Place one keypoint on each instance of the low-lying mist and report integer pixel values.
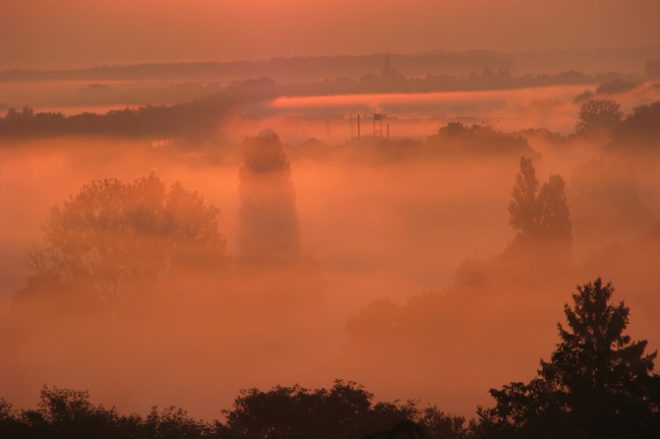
(391, 262)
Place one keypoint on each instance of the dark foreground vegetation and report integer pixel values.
(598, 383)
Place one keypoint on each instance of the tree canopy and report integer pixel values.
(598, 382)
(597, 115)
(113, 235)
(457, 139)
(346, 410)
(640, 131)
(269, 234)
(539, 215)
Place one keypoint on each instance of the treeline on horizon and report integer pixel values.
(306, 68)
(413, 73)
(346, 410)
(396, 80)
(598, 383)
(197, 122)
(194, 120)
(280, 68)
(500, 78)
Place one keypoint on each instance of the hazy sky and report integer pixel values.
(39, 33)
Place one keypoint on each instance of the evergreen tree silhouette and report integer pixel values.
(598, 382)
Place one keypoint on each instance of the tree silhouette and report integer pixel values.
(523, 209)
(297, 413)
(346, 410)
(640, 131)
(539, 216)
(192, 120)
(597, 384)
(67, 414)
(269, 222)
(456, 139)
(598, 115)
(113, 236)
(554, 216)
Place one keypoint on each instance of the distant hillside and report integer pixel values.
(293, 69)
(301, 69)
(621, 60)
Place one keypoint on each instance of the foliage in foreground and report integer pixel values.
(598, 384)
(346, 410)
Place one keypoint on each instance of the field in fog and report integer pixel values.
(329, 219)
(406, 278)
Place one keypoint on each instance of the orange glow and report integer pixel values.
(204, 196)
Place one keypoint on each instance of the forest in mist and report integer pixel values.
(375, 256)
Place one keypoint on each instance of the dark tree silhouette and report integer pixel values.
(344, 411)
(523, 209)
(67, 414)
(456, 139)
(597, 384)
(112, 236)
(192, 120)
(403, 430)
(554, 216)
(640, 131)
(598, 115)
(176, 423)
(540, 217)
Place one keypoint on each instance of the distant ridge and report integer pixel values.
(297, 68)
(305, 68)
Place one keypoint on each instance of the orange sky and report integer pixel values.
(60, 33)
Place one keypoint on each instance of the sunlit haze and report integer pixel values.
(47, 33)
(329, 219)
